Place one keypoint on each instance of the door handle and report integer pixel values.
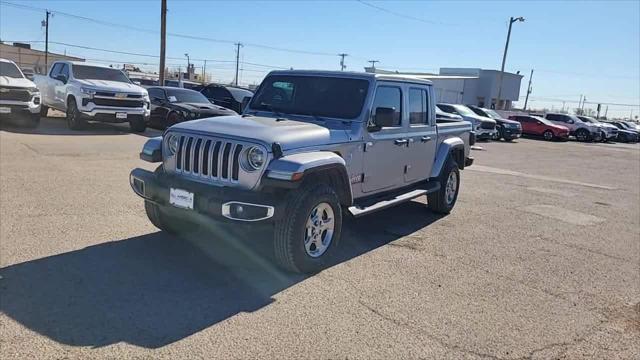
(425, 138)
(401, 141)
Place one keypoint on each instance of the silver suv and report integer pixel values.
(578, 128)
(311, 147)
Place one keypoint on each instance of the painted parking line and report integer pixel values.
(492, 170)
(562, 214)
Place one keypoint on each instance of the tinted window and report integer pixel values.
(447, 108)
(417, 106)
(389, 97)
(55, 70)
(216, 92)
(239, 94)
(554, 117)
(98, 73)
(9, 70)
(312, 95)
(156, 93)
(185, 95)
(65, 70)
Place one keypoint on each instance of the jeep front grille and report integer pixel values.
(208, 159)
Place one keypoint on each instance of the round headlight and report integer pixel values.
(174, 143)
(255, 158)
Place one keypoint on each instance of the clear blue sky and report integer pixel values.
(590, 48)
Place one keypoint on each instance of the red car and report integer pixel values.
(537, 126)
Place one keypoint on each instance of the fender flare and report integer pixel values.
(447, 147)
(291, 170)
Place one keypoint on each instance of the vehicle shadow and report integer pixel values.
(58, 126)
(155, 289)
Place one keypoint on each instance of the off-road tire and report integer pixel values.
(74, 117)
(436, 201)
(138, 125)
(288, 239)
(44, 111)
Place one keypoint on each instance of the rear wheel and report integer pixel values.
(548, 135)
(582, 135)
(306, 240)
(173, 118)
(443, 200)
(74, 117)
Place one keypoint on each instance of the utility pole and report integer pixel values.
(504, 59)
(188, 67)
(163, 40)
(584, 99)
(204, 72)
(606, 110)
(238, 45)
(373, 64)
(580, 103)
(342, 65)
(529, 92)
(46, 41)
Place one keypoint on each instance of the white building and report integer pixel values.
(470, 86)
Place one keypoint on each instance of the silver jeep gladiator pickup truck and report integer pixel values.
(311, 147)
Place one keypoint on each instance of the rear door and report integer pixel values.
(421, 134)
(385, 150)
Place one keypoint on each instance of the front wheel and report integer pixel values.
(306, 240)
(74, 117)
(138, 124)
(44, 110)
(443, 200)
(548, 135)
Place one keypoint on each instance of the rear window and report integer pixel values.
(341, 98)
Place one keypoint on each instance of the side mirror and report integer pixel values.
(570, 121)
(539, 122)
(62, 77)
(384, 117)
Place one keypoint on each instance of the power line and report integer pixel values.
(184, 36)
(410, 17)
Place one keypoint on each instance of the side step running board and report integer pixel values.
(358, 211)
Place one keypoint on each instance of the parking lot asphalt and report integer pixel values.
(540, 259)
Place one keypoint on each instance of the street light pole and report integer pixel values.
(504, 57)
(526, 100)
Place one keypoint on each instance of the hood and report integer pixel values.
(478, 119)
(506, 121)
(112, 86)
(207, 108)
(609, 126)
(16, 82)
(290, 134)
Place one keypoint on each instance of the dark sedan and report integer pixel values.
(625, 132)
(171, 105)
(231, 97)
(507, 129)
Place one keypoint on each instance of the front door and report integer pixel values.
(386, 149)
(422, 135)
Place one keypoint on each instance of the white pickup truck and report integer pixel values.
(87, 92)
(19, 97)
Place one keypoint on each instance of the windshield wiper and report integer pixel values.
(272, 108)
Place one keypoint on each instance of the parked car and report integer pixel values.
(19, 96)
(506, 129)
(578, 128)
(632, 125)
(93, 93)
(185, 84)
(28, 73)
(484, 127)
(231, 97)
(608, 131)
(538, 126)
(346, 142)
(170, 106)
(625, 132)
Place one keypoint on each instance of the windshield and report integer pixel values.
(186, 96)
(463, 110)
(310, 95)
(84, 72)
(492, 114)
(9, 70)
(630, 125)
(239, 94)
(587, 119)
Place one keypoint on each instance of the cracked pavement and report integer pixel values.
(540, 259)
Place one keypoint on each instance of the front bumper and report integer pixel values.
(94, 112)
(20, 107)
(511, 133)
(485, 134)
(210, 202)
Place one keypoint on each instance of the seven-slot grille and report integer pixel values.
(208, 158)
(15, 94)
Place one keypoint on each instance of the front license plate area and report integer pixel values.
(121, 115)
(181, 198)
